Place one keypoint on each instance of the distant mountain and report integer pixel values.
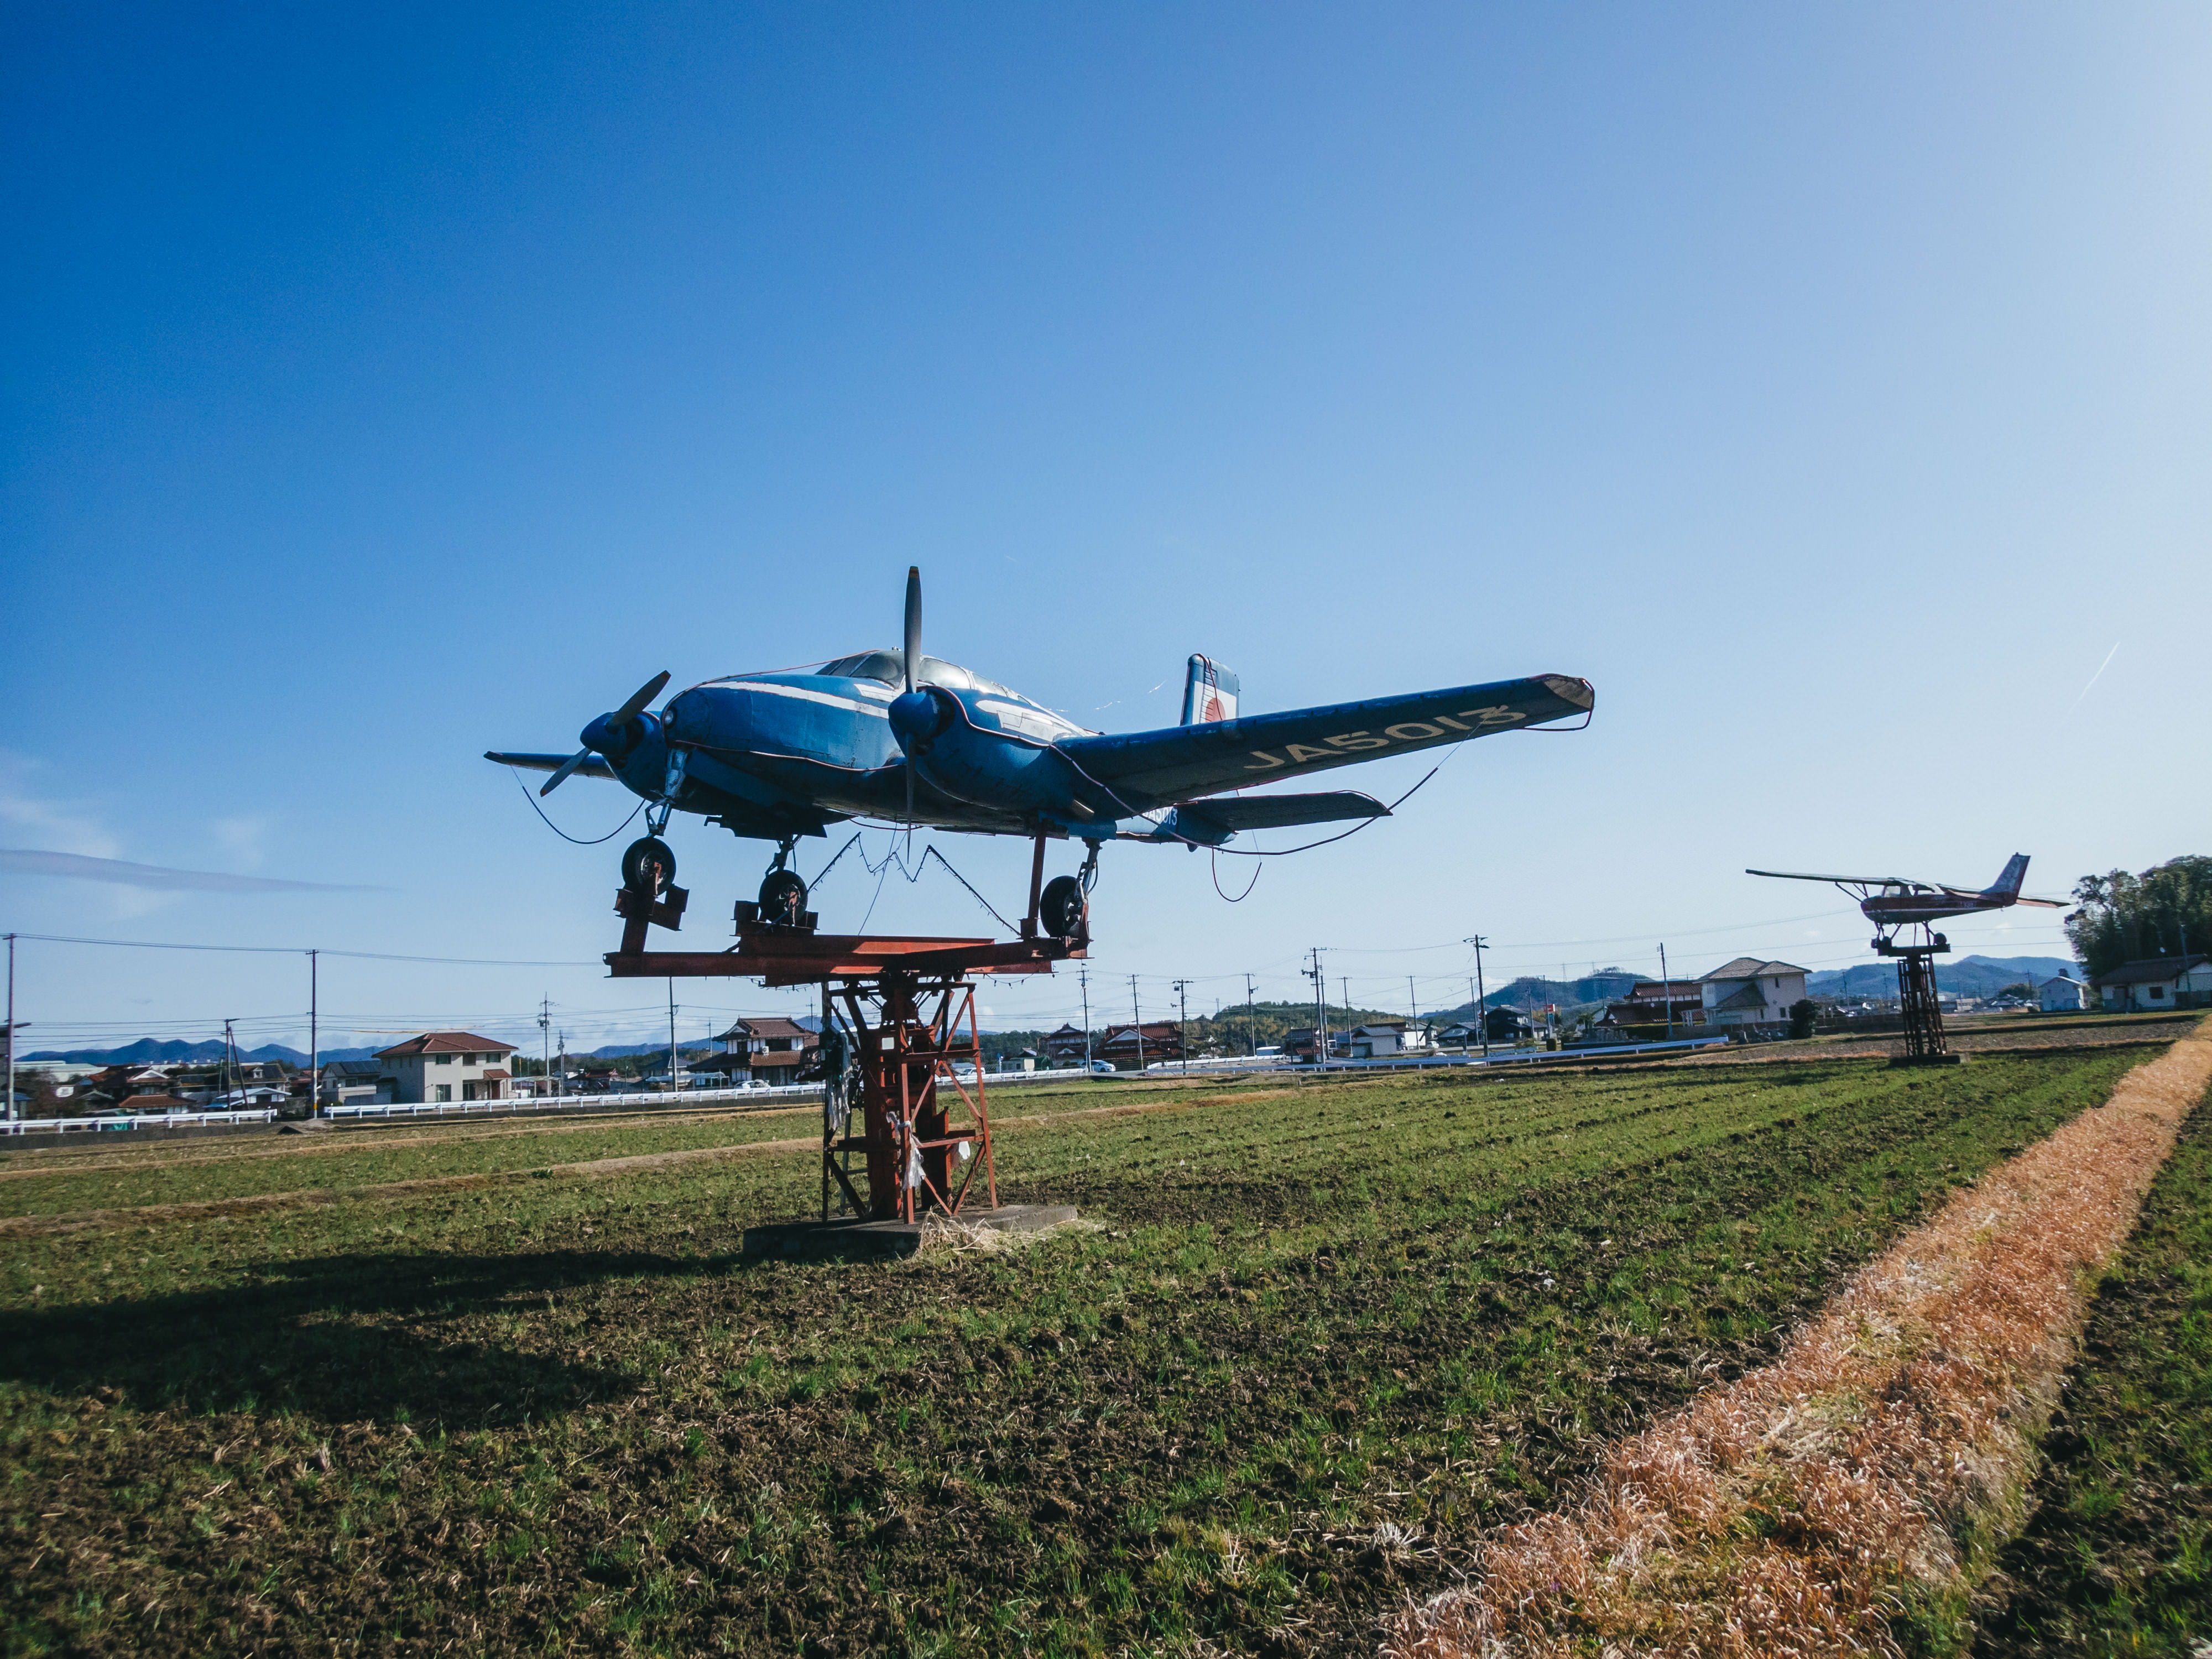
(1969, 977)
(147, 1051)
(1534, 991)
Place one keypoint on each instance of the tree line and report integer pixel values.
(2167, 910)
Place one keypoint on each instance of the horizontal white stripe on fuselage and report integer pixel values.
(1032, 722)
(804, 695)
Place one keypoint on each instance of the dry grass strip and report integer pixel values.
(945, 1235)
(1867, 1470)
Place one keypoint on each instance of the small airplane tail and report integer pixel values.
(2016, 872)
(1209, 694)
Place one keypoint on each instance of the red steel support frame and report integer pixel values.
(918, 1156)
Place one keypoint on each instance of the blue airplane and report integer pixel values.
(903, 739)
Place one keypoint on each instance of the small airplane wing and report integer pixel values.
(1146, 769)
(1856, 881)
(593, 767)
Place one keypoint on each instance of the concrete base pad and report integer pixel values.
(847, 1238)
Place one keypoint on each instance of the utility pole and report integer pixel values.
(1182, 1022)
(1082, 979)
(11, 1028)
(1412, 999)
(545, 1045)
(314, 1037)
(672, 1033)
(1138, 1028)
(229, 1059)
(1481, 1013)
(1344, 984)
(1667, 992)
(1321, 998)
(1251, 1020)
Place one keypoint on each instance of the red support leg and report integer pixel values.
(1037, 889)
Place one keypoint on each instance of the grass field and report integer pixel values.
(1324, 1334)
(2117, 1558)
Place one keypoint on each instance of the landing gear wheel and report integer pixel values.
(648, 866)
(783, 899)
(1060, 908)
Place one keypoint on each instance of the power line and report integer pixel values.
(301, 950)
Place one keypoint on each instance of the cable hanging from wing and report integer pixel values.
(557, 830)
(1215, 862)
(1240, 853)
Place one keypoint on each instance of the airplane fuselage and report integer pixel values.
(1917, 910)
(794, 752)
(786, 753)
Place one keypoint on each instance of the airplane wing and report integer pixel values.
(1282, 811)
(1142, 770)
(1856, 881)
(593, 767)
(2042, 904)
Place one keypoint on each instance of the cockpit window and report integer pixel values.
(889, 668)
(866, 666)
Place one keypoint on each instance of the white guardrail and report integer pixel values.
(1516, 1056)
(135, 1121)
(641, 1100)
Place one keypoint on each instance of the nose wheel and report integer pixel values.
(648, 866)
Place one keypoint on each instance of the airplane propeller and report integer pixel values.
(913, 622)
(912, 710)
(599, 734)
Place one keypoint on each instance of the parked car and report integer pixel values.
(1101, 1068)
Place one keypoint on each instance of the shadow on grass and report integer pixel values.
(352, 1337)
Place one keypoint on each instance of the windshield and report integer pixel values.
(889, 668)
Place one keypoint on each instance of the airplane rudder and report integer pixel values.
(2015, 873)
(1209, 692)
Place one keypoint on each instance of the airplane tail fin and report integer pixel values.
(1209, 694)
(2016, 872)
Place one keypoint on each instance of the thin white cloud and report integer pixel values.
(241, 839)
(2094, 678)
(78, 866)
(34, 817)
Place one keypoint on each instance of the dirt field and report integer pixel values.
(1323, 1334)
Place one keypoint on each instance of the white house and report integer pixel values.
(1748, 992)
(2062, 995)
(773, 1050)
(444, 1066)
(351, 1082)
(2161, 982)
(1386, 1038)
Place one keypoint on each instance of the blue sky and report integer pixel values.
(1831, 386)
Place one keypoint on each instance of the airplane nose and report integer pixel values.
(614, 737)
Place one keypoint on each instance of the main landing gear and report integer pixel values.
(1059, 908)
(782, 895)
(1064, 905)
